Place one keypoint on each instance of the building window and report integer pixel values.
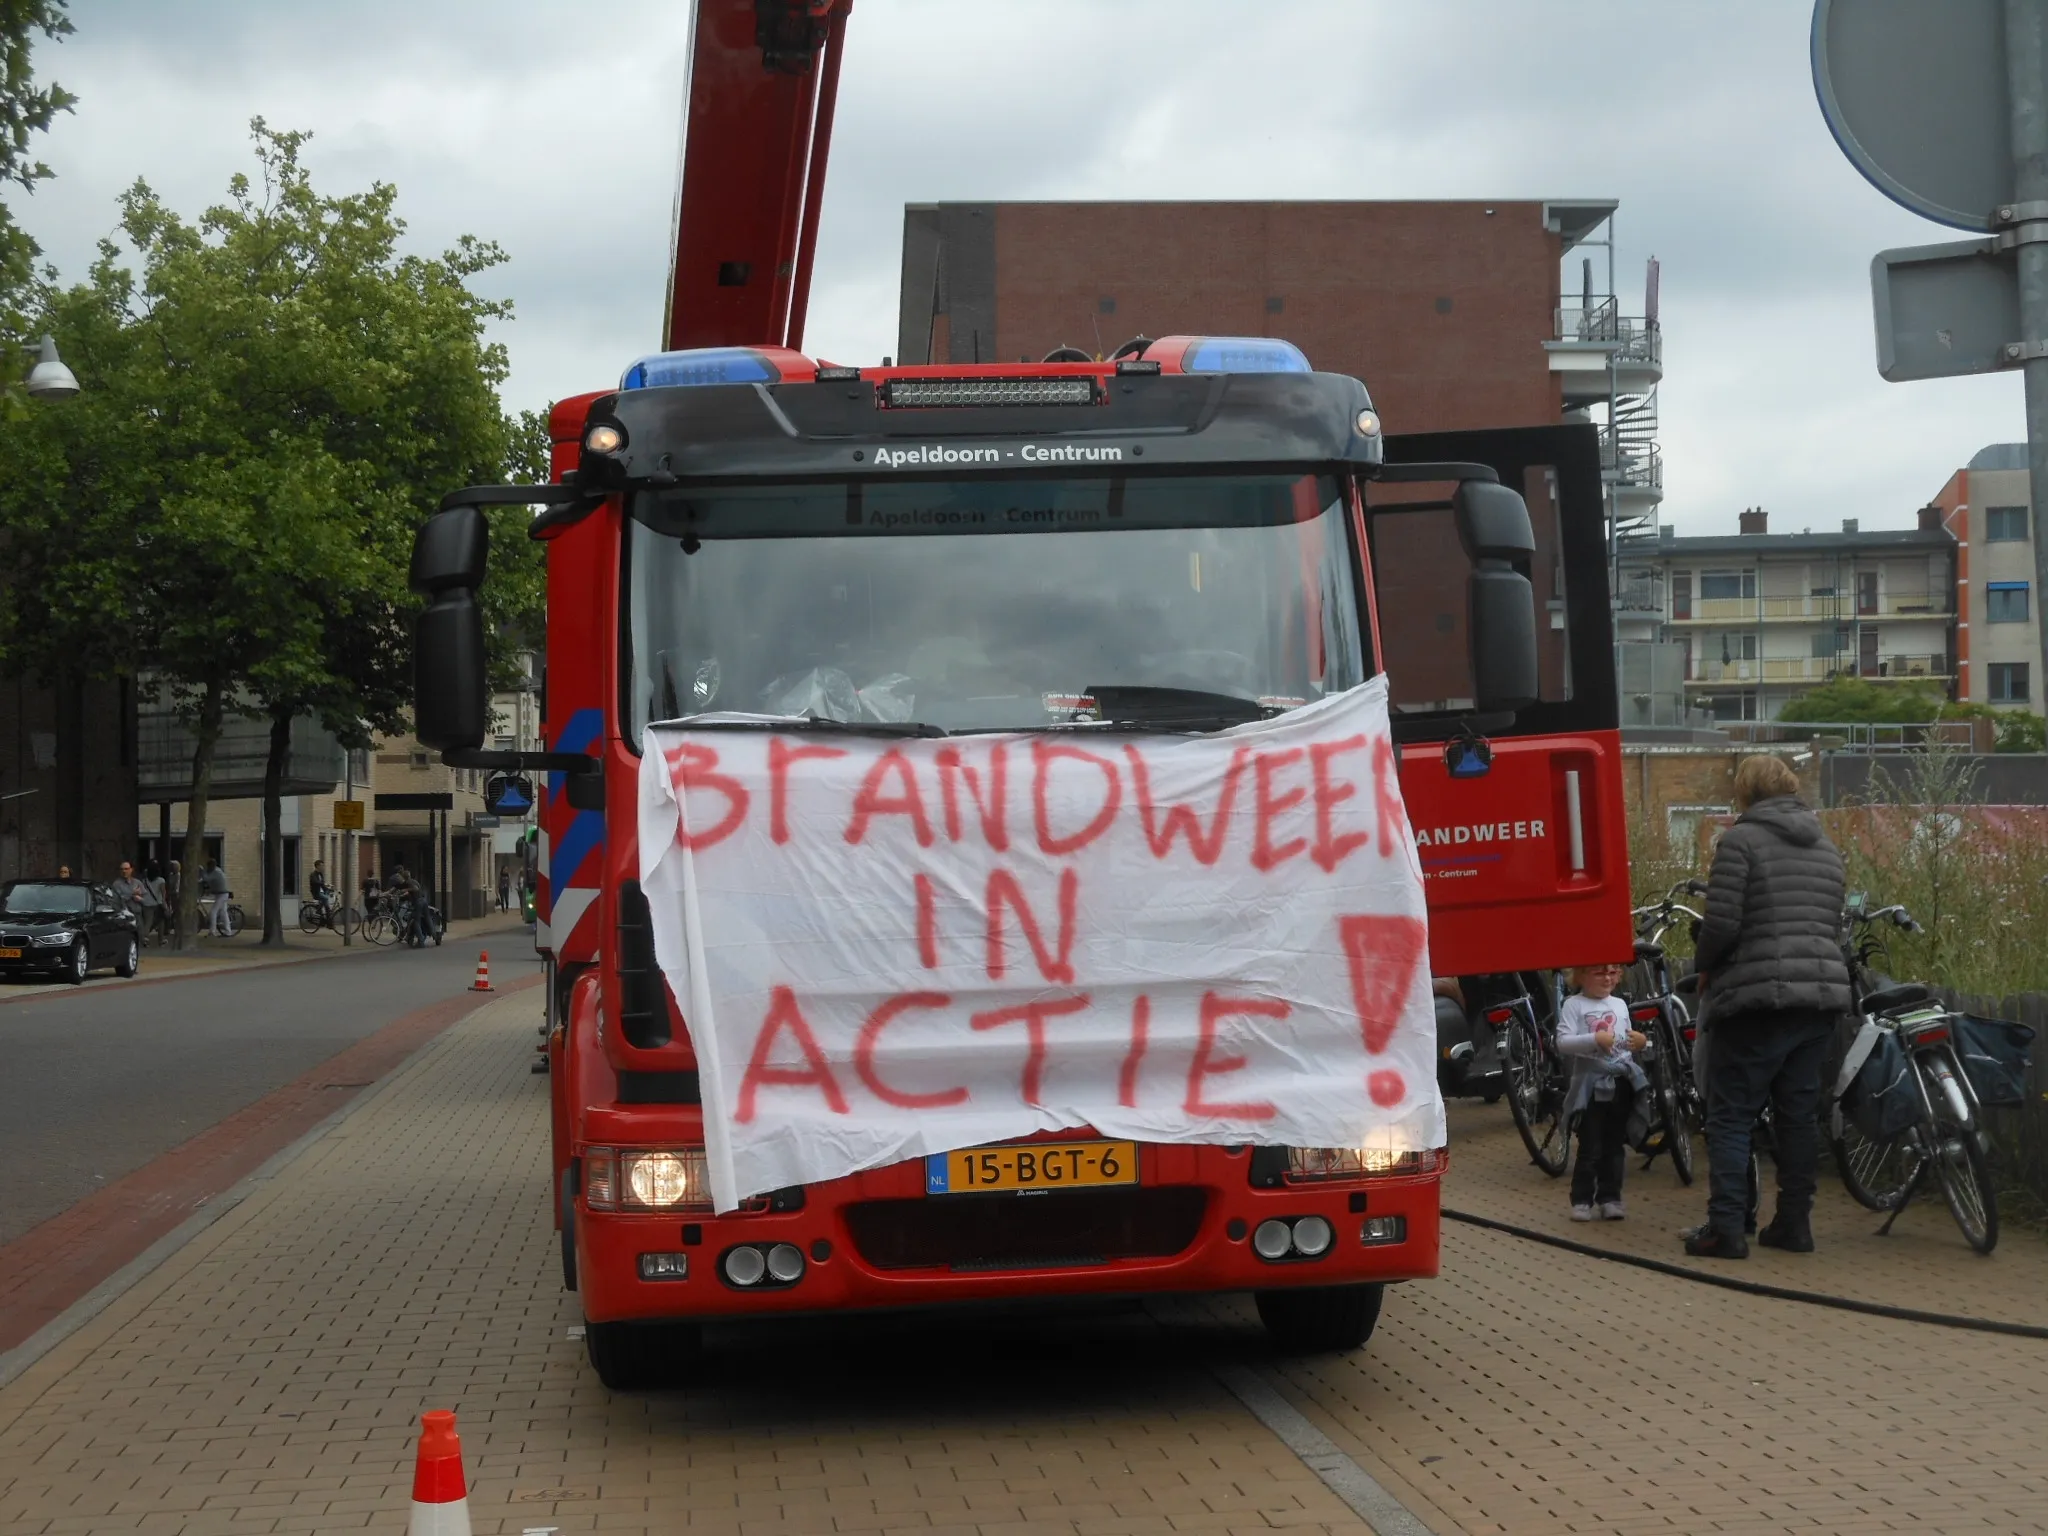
(1734, 706)
(2005, 525)
(1725, 584)
(2005, 602)
(1829, 643)
(2008, 682)
(1681, 594)
(1731, 645)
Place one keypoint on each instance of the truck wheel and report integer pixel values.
(643, 1357)
(1322, 1318)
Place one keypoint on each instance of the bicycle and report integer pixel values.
(1874, 1171)
(416, 921)
(377, 924)
(1947, 1137)
(1657, 1008)
(315, 915)
(1537, 1078)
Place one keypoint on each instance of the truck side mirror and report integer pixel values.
(1493, 525)
(451, 707)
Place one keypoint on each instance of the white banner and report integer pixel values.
(887, 948)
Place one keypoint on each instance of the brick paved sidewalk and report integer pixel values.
(270, 1376)
(1924, 1262)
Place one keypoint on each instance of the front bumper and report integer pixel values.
(872, 1241)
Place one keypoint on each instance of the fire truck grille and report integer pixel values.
(1029, 1231)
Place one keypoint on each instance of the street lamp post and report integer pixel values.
(49, 379)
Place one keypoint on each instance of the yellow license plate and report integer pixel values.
(10, 954)
(1040, 1165)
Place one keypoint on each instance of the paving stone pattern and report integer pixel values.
(1923, 1263)
(269, 1378)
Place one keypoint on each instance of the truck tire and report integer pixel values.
(643, 1357)
(1322, 1318)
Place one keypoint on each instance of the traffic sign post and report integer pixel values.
(1945, 109)
(2026, 60)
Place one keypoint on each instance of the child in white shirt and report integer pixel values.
(1594, 1034)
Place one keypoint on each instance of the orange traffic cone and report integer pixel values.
(483, 972)
(440, 1498)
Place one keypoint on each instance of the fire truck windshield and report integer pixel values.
(989, 604)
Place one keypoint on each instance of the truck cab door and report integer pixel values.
(1523, 845)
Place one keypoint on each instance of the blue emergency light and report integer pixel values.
(1244, 354)
(700, 365)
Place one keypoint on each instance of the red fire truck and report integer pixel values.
(690, 567)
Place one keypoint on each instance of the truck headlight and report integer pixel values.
(1308, 1165)
(646, 1179)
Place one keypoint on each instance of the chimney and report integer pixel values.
(1848, 525)
(1755, 520)
(1666, 531)
(1931, 519)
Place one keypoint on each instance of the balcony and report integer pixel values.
(1841, 609)
(1817, 669)
(1628, 338)
(1638, 596)
(1598, 352)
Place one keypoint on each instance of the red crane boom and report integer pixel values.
(764, 75)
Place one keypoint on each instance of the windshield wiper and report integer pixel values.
(817, 723)
(1137, 707)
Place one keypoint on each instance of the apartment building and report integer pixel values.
(1985, 506)
(1758, 618)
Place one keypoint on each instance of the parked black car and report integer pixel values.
(65, 928)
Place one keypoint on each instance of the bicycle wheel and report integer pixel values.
(1674, 1104)
(1966, 1186)
(1536, 1099)
(351, 920)
(377, 927)
(1876, 1173)
(309, 918)
(237, 919)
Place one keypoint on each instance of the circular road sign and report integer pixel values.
(1915, 93)
(508, 794)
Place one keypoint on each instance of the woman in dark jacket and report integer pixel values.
(1770, 949)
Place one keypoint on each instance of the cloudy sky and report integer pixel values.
(551, 126)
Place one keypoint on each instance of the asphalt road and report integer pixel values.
(99, 1080)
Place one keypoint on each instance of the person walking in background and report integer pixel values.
(134, 893)
(1770, 950)
(1593, 1033)
(161, 909)
(504, 890)
(213, 886)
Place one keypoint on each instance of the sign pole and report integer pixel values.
(2026, 60)
(348, 844)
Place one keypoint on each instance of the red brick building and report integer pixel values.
(1449, 311)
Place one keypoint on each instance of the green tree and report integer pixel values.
(25, 110)
(275, 403)
(1846, 700)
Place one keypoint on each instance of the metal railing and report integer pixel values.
(1635, 340)
(1640, 597)
(1850, 735)
(1842, 609)
(1815, 669)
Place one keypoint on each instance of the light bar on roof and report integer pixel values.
(700, 365)
(1072, 390)
(1244, 354)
